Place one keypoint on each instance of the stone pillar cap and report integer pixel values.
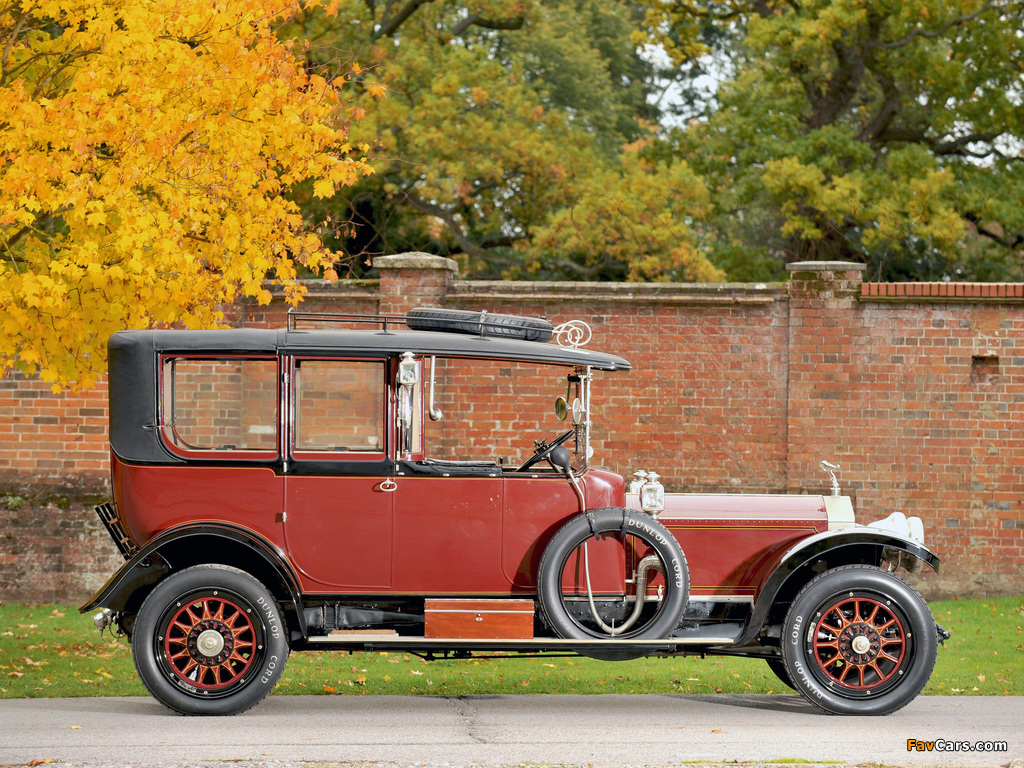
(415, 260)
(826, 266)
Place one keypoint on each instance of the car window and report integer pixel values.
(493, 411)
(339, 406)
(225, 404)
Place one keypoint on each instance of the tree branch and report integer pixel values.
(477, 20)
(389, 26)
(997, 237)
(958, 146)
(932, 33)
(448, 217)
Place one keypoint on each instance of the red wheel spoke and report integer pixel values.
(183, 628)
(840, 625)
(183, 650)
(858, 624)
(828, 662)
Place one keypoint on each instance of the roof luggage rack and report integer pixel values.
(294, 318)
(476, 323)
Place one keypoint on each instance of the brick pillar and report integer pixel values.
(410, 280)
(821, 284)
(825, 326)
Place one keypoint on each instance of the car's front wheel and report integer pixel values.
(210, 640)
(859, 641)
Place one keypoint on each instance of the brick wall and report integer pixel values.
(916, 390)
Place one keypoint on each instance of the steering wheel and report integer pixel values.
(543, 450)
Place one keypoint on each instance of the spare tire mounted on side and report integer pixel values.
(568, 602)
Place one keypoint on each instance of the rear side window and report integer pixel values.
(339, 406)
(225, 404)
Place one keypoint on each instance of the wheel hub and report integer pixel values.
(859, 643)
(210, 642)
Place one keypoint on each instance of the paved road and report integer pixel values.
(507, 730)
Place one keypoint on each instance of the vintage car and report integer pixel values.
(300, 488)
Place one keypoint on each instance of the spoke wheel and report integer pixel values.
(859, 640)
(209, 640)
(860, 644)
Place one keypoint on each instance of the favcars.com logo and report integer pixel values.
(946, 745)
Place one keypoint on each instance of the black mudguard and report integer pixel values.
(829, 544)
(150, 564)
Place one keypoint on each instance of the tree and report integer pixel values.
(885, 132)
(502, 121)
(146, 155)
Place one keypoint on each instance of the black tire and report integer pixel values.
(778, 666)
(859, 641)
(479, 323)
(210, 640)
(659, 619)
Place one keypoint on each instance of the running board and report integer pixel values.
(370, 642)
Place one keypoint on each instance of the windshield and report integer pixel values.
(495, 411)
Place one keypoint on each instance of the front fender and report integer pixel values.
(840, 547)
(151, 563)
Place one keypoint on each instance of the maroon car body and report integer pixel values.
(278, 490)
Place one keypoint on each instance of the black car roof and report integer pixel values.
(132, 360)
(363, 343)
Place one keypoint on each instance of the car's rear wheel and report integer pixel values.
(613, 574)
(210, 640)
(778, 667)
(859, 640)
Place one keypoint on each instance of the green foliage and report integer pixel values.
(500, 121)
(53, 651)
(882, 132)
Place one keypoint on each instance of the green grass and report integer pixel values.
(52, 651)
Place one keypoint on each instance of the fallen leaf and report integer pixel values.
(716, 730)
(981, 678)
(329, 689)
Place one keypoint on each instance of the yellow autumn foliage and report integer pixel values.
(146, 155)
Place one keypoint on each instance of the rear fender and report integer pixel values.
(184, 546)
(831, 549)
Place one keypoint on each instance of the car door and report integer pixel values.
(339, 511)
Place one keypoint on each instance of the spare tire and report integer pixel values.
(559, 587)
(479, 323)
